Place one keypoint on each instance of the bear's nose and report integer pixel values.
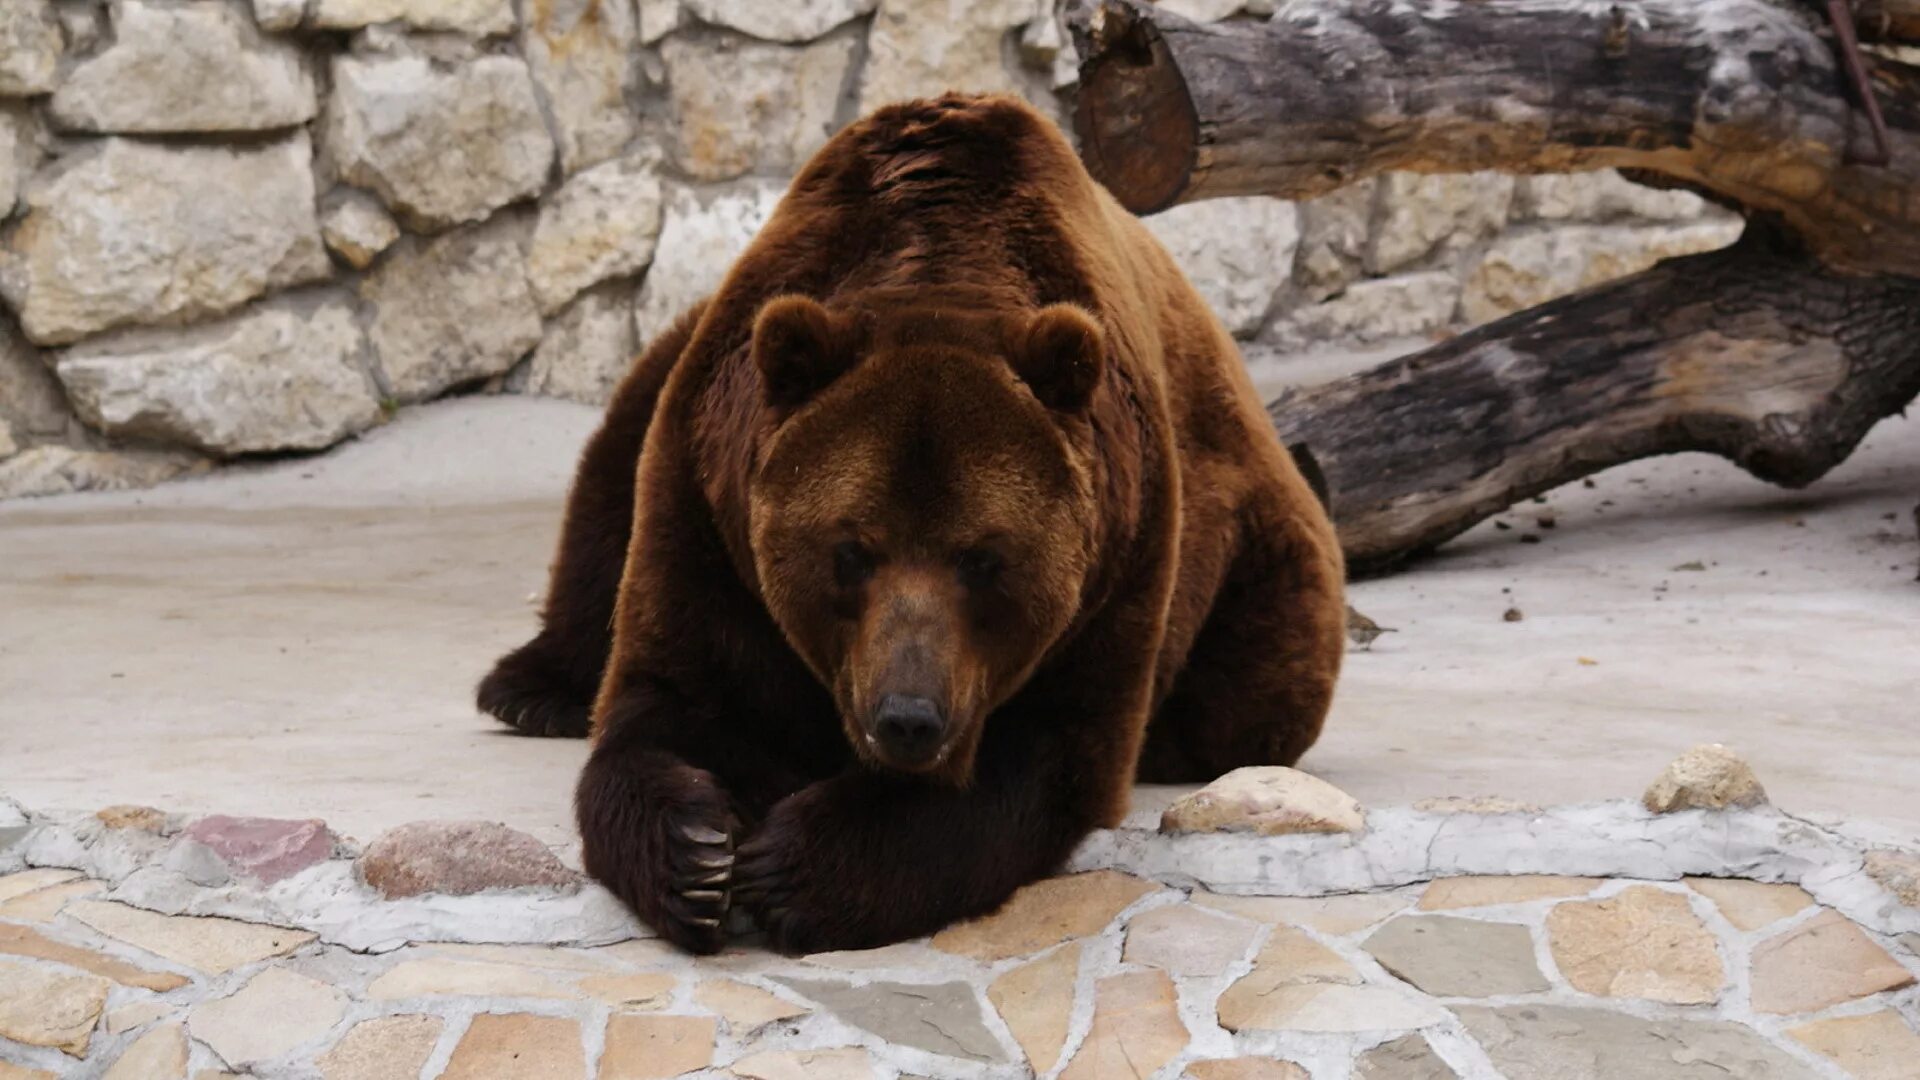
(908, 728)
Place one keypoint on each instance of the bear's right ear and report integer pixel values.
(799, 348)
(1060, 353)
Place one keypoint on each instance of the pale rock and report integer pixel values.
(838, 1063)
(440, 146)
(1448, 956)
(275, 378)
(382, 1048)
(27, 881)
(20, 152)
(1136, 1029)
(1043, 914)
(1333, 239)
(583, 55)
(790, 21)
(1525, 269)
(30, 47)
(699, 239)
(1036, 1002)
(1476, 804)
(438, 977)
(1270, 800)
(742, 106)
(744, 1008)
(1419, 214)
(1185, 940)
(1236, 252)
(1409, 1057)
(543, 957)
(1288, 962)
(586, 351)
(45, 905)
(901, 954)
(1596, 1044)
(61, 470)
(279, 15)
(1707, 777)
(1335, 916)
(1202, 11)
(199, 68)
(143, 232)
(656, 1047)
(356, 227)
(1898, 872)
(28, 942)
(1248, 1068)
(1876, 1046)
(452, 309)
(84, 22)
(940, 1018)
(8, 446)
(518, 1045)
(1378, 309)
(1821, 963)
(476, 18)
(42, 1007)
(1750, 905)
(146, 819)
(1600, 195)
(1449, 894)
(203, 943)
(921, 48)
(602, 223)
(160, 1054)
(632, 993)
(137, 1015)
(1642, 943)
(658, 18)
(274, 1012)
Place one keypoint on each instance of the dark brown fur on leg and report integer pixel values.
(546, 687)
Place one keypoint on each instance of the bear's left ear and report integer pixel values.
(1060, 354)
(800, 347)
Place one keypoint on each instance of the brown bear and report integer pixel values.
(896, 561)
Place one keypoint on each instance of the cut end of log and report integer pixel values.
(1135, 118)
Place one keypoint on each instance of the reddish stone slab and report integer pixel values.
(264, 849)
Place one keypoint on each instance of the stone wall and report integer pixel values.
(232, 228)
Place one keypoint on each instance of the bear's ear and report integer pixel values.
(1060, 353)
(799, 348)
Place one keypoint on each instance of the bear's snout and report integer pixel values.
(910, 730)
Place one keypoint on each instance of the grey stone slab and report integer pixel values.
(943, 1018)
(1452, 957)
(1535, 1042)
(1406, 1058)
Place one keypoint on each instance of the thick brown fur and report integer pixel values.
(954, 430)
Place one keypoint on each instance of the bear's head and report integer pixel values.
(923, 517)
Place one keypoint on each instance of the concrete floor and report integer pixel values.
(300, 639)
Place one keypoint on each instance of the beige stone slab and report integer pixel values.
(649, 990)
(439, 977)
(656, 1047)
(1898, 872)
(137, 1015)
(42, 1007)
(1448, 894)
(383, 1048)
(1036, 1002)
(43, 905)
(1750, 905)
(1136, 1029)
(26, 881)
(160, 1054)
(1339, 1008)
(1288, 959)
(640, 952)
(838, 1063)
(20, 1072)
(1248, 1068)
(1182, 939)
(543, 957)
(1643, 943)
(520, 1046)
(1877, 1046)
(1270, 800)
(744, 1007)
(26, 941)
(204, 943)
(1819, 963)
(905, 954)
(1045, 913)
(1335, 916)
(276, 1011)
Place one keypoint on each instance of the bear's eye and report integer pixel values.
(980, 568)
(852, 563)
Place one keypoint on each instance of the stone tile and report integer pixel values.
(1877, 1046)
(131, 816)
(1269, 800)
(1750, 905)
(137, 1015)
(1335, 916)
(1045, 913)
(459, 858)
(905, 954)
(19, 1072)
(1036, 1002)
(653, 1047)
(1707, 777)
(1450, 894)
(1409, 1057)
(204, 943)
(1595, 1044)
(1475, 804)
(1452, 957)
(600, 224)
(264, 849)
(1821, 962)
(26, 881)
(744, 1007)
(942, 1018)
(518, 1045)
(24, 941)
(1298, 984)
(160, 1054)
(1643, 942)
(544, 957)
(839, 1063)
(1136, 1029)
(46, 1008)
(640, 952)
(41, 906)
(276, 1011)
(1912, 942)
(1898, 872)
(439, 977)
(384, 1048)
(1248, 1068)
(1185, 940)
(635, 993)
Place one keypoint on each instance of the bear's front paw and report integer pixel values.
(796, 878)
(528, 690)
(674, 867)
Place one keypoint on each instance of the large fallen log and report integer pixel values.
(1778, 354)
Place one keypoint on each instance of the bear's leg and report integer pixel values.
(1259, 677)
(546, 687)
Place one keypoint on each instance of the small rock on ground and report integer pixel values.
(459, 858)
(1268, 800)
(1707, 777)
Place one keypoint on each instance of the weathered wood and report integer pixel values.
(1754, 353)
(1743, 98)
(1888, 20)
